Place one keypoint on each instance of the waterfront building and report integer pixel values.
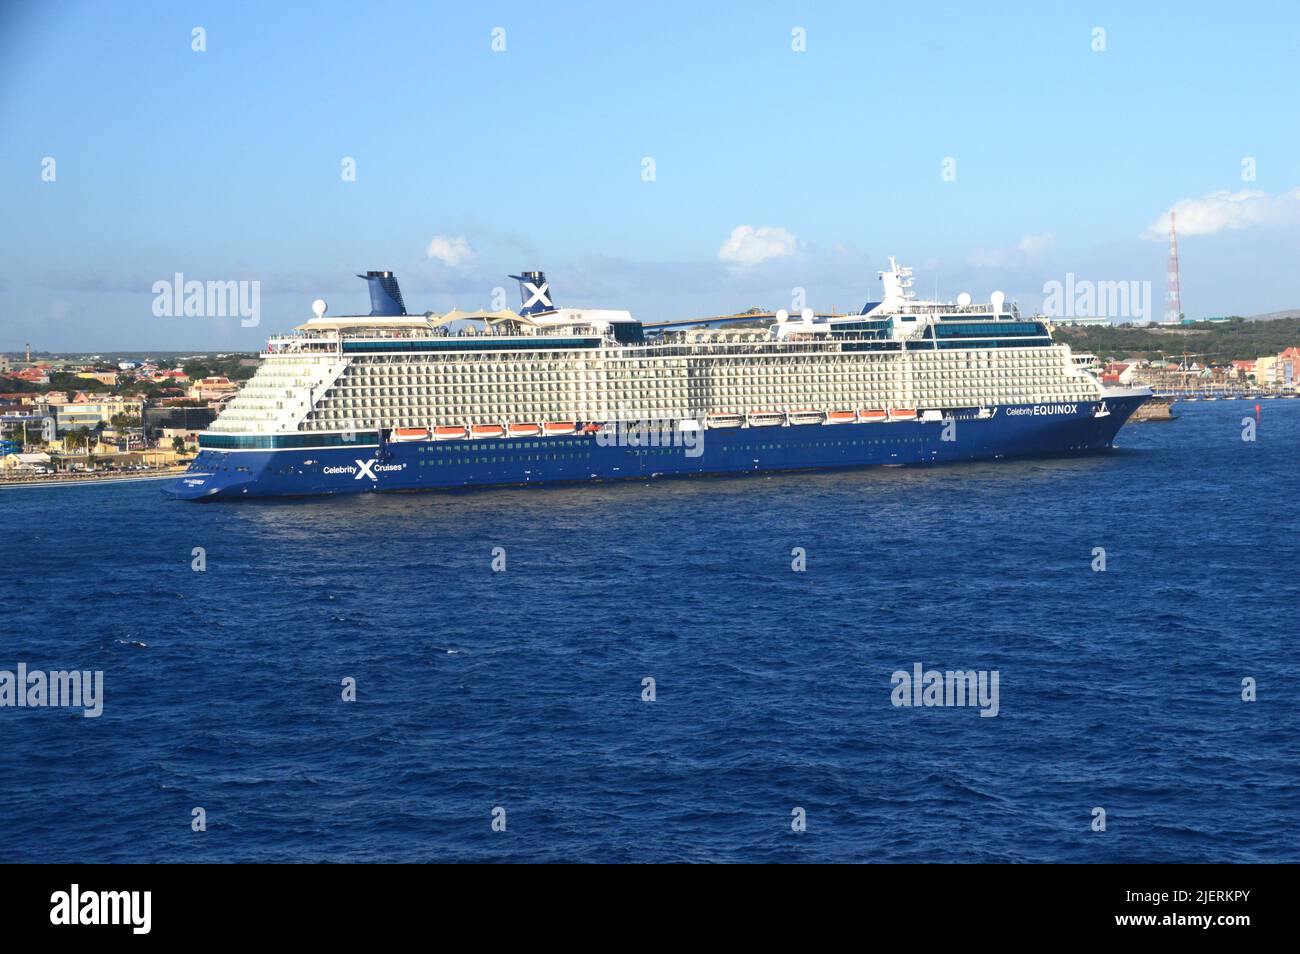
(212, 388)
(90, 411)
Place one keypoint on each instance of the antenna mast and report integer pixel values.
(1173, 291)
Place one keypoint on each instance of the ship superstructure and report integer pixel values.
(544, 393)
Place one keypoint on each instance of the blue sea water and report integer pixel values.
(522, 689)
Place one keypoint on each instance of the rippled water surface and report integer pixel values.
(523, 689)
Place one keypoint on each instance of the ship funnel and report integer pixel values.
(385, 296)
(534, 293)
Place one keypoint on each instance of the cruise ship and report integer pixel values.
(391, 401)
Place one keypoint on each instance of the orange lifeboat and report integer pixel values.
(525, 430)
(872, 416)
(556, 428)
(591, 428)
(410, 433)
(841, 417)
(486, 430)
(446, 433)
(903, 414)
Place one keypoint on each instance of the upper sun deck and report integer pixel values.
(898, 322)
(460, 331)
(1008, 311)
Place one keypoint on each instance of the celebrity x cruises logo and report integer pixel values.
(363, 468)
(537, 296)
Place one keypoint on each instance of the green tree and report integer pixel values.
(195, 370)
(77, 437)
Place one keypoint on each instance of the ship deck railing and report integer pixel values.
(1009, 310)
(431, 333)
(666, 346)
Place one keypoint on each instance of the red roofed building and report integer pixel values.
(1118, 372)
(213, 388)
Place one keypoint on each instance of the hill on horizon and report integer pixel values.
(1275, 315)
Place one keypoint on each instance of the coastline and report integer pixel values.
(68, 480)
(1155, 409)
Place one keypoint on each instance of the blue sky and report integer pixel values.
(226, 164)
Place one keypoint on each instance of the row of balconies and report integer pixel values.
(477, 394)
(749, 374)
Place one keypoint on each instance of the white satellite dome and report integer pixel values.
(318, 307)
(963, 299)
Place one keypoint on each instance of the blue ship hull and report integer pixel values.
(1012, 431)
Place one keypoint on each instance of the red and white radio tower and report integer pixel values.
(1173, 292)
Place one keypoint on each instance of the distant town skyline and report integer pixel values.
(707, 163)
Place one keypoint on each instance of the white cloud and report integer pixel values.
(451, 250)
(1225, 210)
(749, 246)
(1034, 244)
(1029, 247)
